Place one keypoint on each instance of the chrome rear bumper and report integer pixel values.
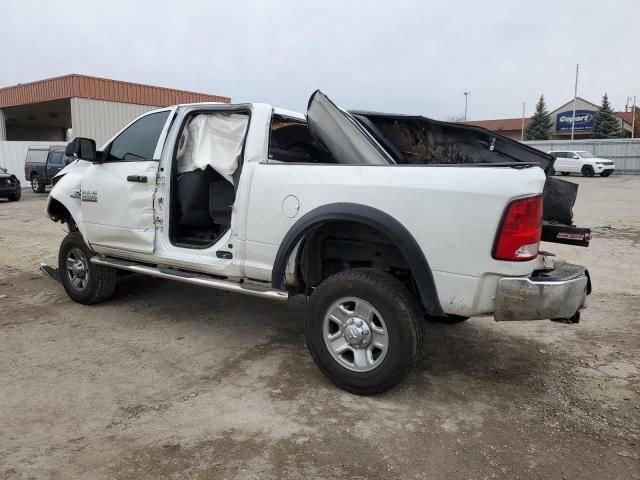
(559, 293)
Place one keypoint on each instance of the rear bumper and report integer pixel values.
(559, 293)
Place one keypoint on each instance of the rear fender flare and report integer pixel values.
(384, 223)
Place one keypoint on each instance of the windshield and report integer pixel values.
(586, 154)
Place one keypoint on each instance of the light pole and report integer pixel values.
(522, 130)
(575, 96)
(633, 118)
(466, 99)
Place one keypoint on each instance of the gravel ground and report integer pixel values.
(171, 381)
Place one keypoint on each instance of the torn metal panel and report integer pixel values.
(344, 137)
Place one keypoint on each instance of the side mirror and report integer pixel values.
(82, 148)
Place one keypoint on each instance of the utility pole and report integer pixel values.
(522, 132)
(633, 118)
(575, 96)
(466, 98)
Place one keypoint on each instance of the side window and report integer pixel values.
(560, 155)
(138, 142)
(55, 158)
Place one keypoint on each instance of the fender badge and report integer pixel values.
(89, 196)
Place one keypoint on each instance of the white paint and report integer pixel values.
(452, 212)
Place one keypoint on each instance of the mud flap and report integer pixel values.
(52, 273)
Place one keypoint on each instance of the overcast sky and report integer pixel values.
(396, 56)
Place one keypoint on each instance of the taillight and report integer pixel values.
(519, 235)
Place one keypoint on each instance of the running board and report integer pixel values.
(192, 278)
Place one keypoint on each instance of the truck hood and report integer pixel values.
(372, 138)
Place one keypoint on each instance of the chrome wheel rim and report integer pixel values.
(355, 334)
(35, 184)
(77, 269)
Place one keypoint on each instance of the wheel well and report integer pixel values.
(59, 213)
(341, 245)
(339, 236)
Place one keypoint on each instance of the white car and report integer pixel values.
(579, 161)
(379, 219)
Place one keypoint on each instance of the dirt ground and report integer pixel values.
(172, 381)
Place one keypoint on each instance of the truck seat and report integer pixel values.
(193, 197)
(221, 198)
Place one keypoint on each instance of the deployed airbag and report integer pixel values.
(214, 139)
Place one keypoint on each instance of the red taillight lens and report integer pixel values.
(519, 235)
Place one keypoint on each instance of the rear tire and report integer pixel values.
(587, 171)
(36, 184)
(364, 330)
(84, 281)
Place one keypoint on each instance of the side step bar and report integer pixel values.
(193, 278)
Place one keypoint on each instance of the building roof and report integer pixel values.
(625, 116)
(500, 124)
(96, 88)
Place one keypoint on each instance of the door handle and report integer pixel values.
(137, 178)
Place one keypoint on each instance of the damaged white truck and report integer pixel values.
(382, 220)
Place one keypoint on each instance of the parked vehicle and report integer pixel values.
(380, 219)
(42, 164)
(10, 187)
(578, 161)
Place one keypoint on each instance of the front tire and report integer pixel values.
(587, 171)
(364, 330)
(84, 281)
(36, 184)
(14, 197)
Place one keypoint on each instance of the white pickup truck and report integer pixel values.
(381, 220)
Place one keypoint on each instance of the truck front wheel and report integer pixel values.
(364, 330)
(84, 281)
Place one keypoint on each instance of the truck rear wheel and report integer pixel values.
(364, 330)
(36, 184)
(84, 281)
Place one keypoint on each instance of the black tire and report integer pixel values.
(402, 319)
(448, 320)
(36, 184)
(587, 171)
(565, 173)
(100, 281)
(606, 173)
(14, 197)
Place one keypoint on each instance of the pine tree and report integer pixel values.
(539, 127)
(606, 124)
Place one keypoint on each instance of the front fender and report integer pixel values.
(66, 194)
